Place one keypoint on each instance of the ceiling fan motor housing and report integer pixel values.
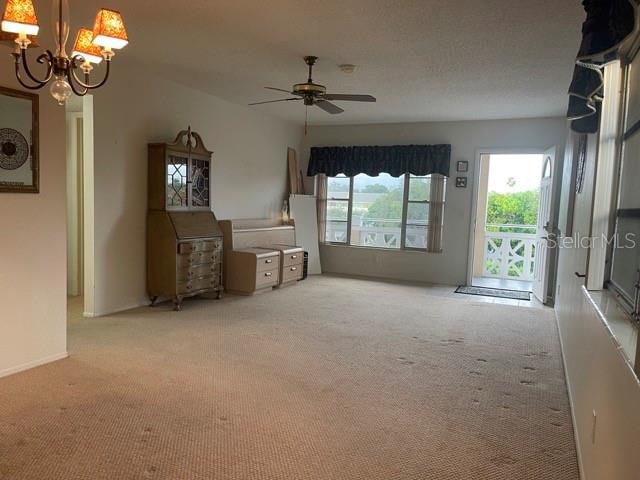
(309, 89)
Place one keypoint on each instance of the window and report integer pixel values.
(385, 212)
(625, 266)
(418, 212)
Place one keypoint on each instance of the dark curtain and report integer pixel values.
(608, 24)
(395, 160)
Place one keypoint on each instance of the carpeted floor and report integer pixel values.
(334, 378)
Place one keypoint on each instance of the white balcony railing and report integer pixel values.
(377, 233)
(509, 254)
(509, 250)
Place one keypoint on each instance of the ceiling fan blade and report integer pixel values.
(328, 107)
(350, 98)
(274, 101)
(278, 90)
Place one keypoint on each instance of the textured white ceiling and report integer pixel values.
(424, 60)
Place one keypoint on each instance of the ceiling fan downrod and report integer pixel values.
(311, 61)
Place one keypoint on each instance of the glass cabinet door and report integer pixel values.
(177, 184)
(199, 177)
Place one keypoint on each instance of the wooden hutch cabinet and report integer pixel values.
(184, 241)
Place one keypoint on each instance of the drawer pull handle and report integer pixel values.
(268, 274)
(293, 269)
(269, 261)
(293, 257)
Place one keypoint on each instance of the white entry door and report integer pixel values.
(544, 227)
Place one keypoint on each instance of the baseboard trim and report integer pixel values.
(29, 365)
(576, 436)
(117, 310)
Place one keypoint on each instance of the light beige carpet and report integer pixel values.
(331, 379)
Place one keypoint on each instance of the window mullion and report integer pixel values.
(350, 211)
(405, 207)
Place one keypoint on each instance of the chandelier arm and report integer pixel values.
(38, 84)
(85, 83)
(47, 56)
(72, 76)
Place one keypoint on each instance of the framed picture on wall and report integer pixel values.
(462, 166)
(18, 141)
(461, 182)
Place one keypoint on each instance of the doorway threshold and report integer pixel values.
(502, 283)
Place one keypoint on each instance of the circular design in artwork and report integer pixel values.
(14, 149)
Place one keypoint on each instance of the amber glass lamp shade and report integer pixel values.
(85, 48)
(109, 31)
(20, 17)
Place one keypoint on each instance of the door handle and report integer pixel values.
(580, 275)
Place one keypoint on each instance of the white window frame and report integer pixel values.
(349, 210)
(626, 130)
(403, 226)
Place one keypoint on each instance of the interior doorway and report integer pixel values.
(79, 166)
(512, 207)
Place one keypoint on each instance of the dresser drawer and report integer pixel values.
(267, 263)
(292, 273)
(198, 284)
(267, 278)
(289, 259)
(197, 271)
(199, 246)
(196, 258)
(290, 254)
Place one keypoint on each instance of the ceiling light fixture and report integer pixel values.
(347, 68)
(91, 47)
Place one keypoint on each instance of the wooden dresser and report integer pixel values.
(184, 240)
(252, 270)
(253, 255)
(291, 262)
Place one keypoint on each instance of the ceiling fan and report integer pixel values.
(314, 94)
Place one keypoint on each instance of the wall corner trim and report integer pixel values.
(36, 363)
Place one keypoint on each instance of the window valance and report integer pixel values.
(395, 160)
(608, 25)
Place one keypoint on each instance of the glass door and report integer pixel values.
(199, 178)
(177, 182)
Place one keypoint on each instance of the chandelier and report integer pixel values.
(70, 75)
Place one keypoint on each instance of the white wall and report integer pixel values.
(33, 254)
(466, 138)
(598, 378)
(249, 169)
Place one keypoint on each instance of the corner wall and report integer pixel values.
(599, 381)
(466, 138)
(33, 319)
(249, 171)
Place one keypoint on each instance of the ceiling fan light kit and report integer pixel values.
(91, 47)
(315, 94)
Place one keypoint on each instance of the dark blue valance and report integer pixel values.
(608, 25)
(395, 160)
